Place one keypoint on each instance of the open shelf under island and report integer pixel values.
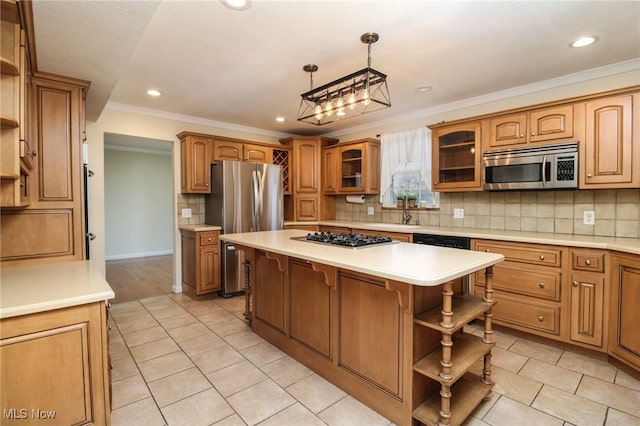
(384, 323)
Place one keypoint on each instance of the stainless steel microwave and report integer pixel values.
(540, 167)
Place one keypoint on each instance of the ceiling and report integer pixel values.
(243, 68)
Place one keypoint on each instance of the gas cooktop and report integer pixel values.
(353, 240)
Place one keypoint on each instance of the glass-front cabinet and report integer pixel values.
(456, 157)
(352, 167)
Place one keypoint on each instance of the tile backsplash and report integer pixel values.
(617, 212)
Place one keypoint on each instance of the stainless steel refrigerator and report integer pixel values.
(245, 197)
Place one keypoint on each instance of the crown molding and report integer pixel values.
(113, 147)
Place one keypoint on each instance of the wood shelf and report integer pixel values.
(446, 169)
(467, 349)
(467, 393)
(465, 308)
(458, 145)
(8, 122)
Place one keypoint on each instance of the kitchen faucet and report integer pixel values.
(406, 217)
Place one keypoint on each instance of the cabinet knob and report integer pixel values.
(541, 257)
(109, 327)
(487, 251)
(521, 136)
(540, 318)
(574, 283)
(589, 175)
(32, 153)
(587, 262)
(209, 239)
(533, 133)
(541, 285)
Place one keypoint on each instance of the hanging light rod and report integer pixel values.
(355, 94)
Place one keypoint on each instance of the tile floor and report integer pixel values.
(180, 361)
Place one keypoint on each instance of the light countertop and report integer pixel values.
(410, 263)
(627, 245)
(200, 228)
(38, 288)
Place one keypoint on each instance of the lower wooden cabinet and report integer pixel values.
(55, 367)
(624, 315)
(201, 260)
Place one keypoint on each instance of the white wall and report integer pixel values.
(138, 203)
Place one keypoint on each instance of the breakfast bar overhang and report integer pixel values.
(383, 322)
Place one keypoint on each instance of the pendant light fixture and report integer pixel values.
(355, 94)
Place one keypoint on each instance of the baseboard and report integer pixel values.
(142, 254)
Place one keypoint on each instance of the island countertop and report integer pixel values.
(38, 288)
(409, 263)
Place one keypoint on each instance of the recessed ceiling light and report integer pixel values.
(280, 119)
(423, 89)
(236, 4)
(153, 92)
(583, 41)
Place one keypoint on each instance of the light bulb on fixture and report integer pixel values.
(318, 112)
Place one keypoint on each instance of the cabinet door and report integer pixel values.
(624, 333)
(607, 152)
(551, 123)
(456, 157)
(307, 163)
(271, 293)
(307, 208)
(209, 271)
(257, 153)
(352, 160)
(508, 130)
(587, 304)
(197, 164)
(225, 150)
(330, 170)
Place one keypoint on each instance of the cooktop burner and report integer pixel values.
(354, 240)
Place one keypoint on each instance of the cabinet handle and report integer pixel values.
(32, 153)
(540, 318)
(587, 262)
(108, 304)
(541, 285)
(589, 175)
(109, 327)
(541, 257)
(574, 283)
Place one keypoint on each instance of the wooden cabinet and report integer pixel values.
(201, 260)
(540, 125)
(351, 167)
(456, 157)
(609, 152)
(54, 364)
(195, 163)
(228, 149)
(282, 158)
(624, 333)
(306, 201)
(589, 297)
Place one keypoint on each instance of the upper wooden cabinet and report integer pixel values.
(226, 149)
(540, 125)
(195, 163)
(351, 168)
(608, 158)
(456, 157)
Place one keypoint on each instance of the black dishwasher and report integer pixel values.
(443, 241)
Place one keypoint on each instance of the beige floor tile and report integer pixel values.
(243, 339)
(157, 300)
(514, 386)
(228, 328)
(219, 316)
(164, 365)
(294, 415)
(286, 371)
(539, 351)
(144, 336)
(178, 386)
(560, 378)
(486, 405)
(177, 321)
(503, 340)
(150, 350)
(189, 331)
(114, 334)
(217, 358)
(507, 412)
(618, 418)
(201, 409)
(508, 360)
(260, 401)
(123, 368)
(169, 311)
(202, 309)
(586, 365)
(144, 322)
(618, 397)
(232, 420)
(623, 379)
(118, 351)
(200, 344)
(124, 307)
(237, 377)
(130, 315)
(129, 390)
(569, 407)
(262, 353)
(349, 411)
(315, 393)
(141, 413)
(473, 421)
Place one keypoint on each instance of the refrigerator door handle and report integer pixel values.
(256, 222)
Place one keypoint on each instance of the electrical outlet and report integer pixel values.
(370, 211)
(589, 217)
(186, 213)
(458, 213)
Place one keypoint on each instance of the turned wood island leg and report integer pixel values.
(488, 327)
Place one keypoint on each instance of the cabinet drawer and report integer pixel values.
(587, 261)
(526, 314)
(533, 254)
(208, 238)
(509, 276)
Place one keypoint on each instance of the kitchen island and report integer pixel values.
(383, 322)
